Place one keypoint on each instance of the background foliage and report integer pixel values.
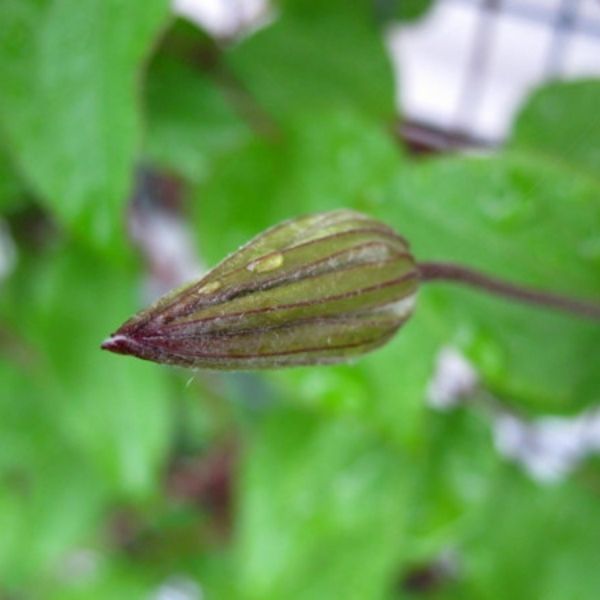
(310, 483)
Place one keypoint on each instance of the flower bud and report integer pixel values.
(313, 290)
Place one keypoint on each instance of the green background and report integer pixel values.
(329, 482)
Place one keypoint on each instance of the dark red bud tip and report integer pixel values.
(119, 344)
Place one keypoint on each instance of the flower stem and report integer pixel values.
(437, 271)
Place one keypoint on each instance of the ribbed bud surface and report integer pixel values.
(313, 290)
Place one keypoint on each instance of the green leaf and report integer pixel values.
(45, 513)
(315, 56)
(187, 131)
(80, 428)
(534, 542)
(558, 122)
(114, 411)
(68, 72)
(410, 10)
(529, 222)
(11, 187)
(451, 479)
(49, 498)
(318, 492)
(326, 160)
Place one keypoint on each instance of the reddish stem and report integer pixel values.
(436, 271)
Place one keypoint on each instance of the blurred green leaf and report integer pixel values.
(315, 56)
(558, 122)
(529, 221)
(451, 478)
(353, 481)
(188, 130)
(314, 493)
(46, 508)
(49, 497)
(409, 10)
(327, 160)
(78, 425)
(68, 105)
(11, 188)
(115, 411)
(534, 541)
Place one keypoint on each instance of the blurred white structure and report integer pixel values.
(167, 244)
(178, 587)
(8, 251)
(454, 379)
(548, 448)
(224, 18)
(468, 64)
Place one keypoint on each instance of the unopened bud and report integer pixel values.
(313, 290)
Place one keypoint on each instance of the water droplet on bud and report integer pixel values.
(210, 287)
(267, 263)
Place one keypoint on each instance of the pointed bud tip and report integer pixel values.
(119, 344)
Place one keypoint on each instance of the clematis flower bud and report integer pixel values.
(313, 290)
